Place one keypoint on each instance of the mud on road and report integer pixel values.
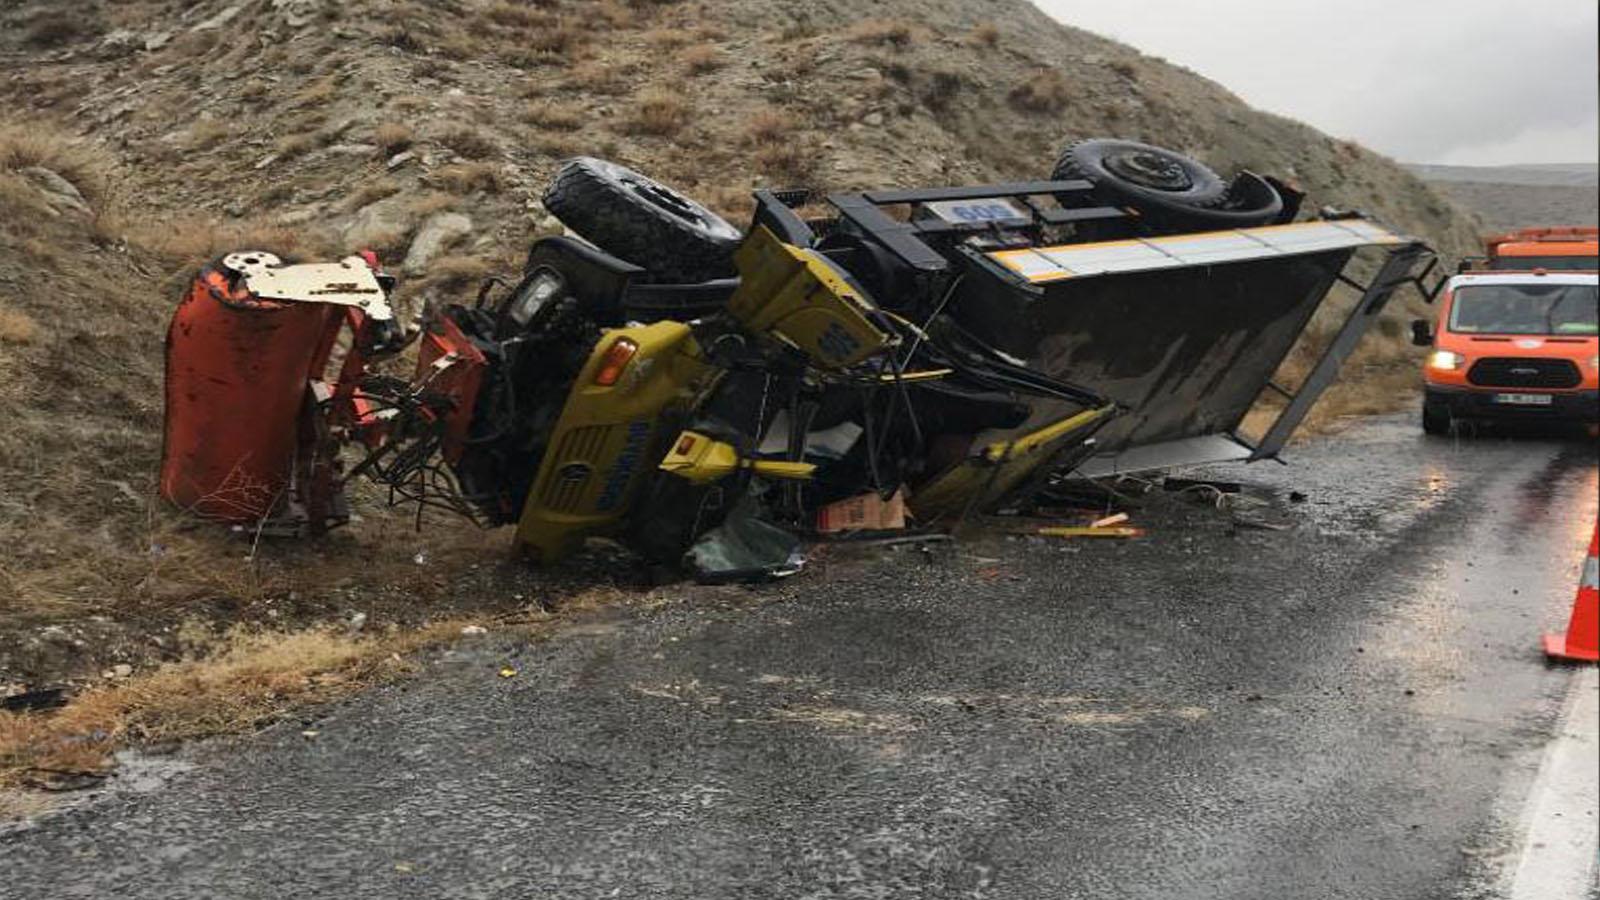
(1350, 708)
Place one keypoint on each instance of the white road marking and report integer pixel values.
(1561, 846)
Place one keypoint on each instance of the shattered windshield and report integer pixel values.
(1525, 309)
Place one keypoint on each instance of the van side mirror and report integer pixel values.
(1421, 333)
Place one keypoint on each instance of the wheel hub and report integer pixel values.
(1151, 170)
(667, 199)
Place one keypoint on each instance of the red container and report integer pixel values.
(238, 368)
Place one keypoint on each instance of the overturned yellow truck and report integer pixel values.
(659, 374)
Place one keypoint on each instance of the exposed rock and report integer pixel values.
(542, 220)
(352, 150)
(380, 221)
(400, 159)
(220, 19)
(297, 13)
(61, 194)
(433, 238)
(121, 41)
(157, 40)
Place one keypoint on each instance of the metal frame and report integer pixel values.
(1395, 273)
(903, 239)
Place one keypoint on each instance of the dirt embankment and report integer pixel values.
(179, 129)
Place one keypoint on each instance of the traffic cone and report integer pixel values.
(1581, 643)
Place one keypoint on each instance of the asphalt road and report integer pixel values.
(1354, 707)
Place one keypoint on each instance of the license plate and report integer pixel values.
(987, 210)
(1524, 399)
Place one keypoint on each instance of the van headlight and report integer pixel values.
(1445, 360)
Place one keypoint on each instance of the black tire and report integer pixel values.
(1171, 192)
(642, 221)
(1435, 419)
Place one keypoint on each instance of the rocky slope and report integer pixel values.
(426, 128)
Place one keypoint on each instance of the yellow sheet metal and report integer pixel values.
(995, 469)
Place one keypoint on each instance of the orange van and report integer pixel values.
(1512, 345)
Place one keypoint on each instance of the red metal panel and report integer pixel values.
(237, 371)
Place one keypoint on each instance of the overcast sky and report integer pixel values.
(1471, 82)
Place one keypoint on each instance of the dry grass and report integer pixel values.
(207, 133)
(183, 243)
(1127, 68)
(518, 15)
(555, 116)
(466, 178)
(1045, 91)
(557, 146)
(701, 59)
(659, 112)
(317, 93)
(57, 28)
(22, 147)
(941, 89)
(17, 327)
(558, 40)
(668, 38)
(614, 14)
(458, 272)
(291, 146)
(984, 34)
(239, 682)
(896, 33)
(371, 192)
(598, 77)
(789, 165)
(768, 126)
(469, 143)
(393, 137)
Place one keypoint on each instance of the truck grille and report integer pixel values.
(1511, 371)
(584, 446)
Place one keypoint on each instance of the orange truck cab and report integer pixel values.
(1512, 345)
(1551, 249)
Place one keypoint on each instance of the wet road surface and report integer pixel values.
(1352, 708)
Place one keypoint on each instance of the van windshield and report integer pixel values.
(1550, 263)
(1525, 309)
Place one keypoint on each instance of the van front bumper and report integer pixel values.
(1476, 403)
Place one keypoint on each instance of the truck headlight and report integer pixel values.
(1446, 360)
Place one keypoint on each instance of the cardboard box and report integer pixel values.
(867, 512)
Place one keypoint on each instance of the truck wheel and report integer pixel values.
(1171, 192)
(1435, 419)
(642, 221)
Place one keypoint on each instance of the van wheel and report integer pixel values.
(1435, 419)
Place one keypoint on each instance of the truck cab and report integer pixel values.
(1512, 346)
(1552, 249)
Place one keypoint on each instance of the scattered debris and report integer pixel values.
(1089, 531)
(37, 700)
(507, 672)
(867, 512)
(745, 547)
(1186, 484)
(1114, 519)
